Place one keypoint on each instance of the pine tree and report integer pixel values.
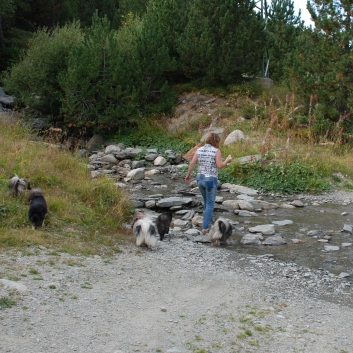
(322, 63)
(222, 40)
(282, 29)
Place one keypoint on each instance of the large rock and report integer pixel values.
(233, 137)
(239, 189)
(248, 239)
(265, 229)
(275, 240)
(173, 201)
(95, 143)
(136, 174)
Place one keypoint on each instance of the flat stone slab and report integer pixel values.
(283, 223)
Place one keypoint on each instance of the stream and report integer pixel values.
(324, 217)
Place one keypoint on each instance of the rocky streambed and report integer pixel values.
(313, 231)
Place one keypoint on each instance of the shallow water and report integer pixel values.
(326, 218)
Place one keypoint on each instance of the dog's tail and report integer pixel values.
(35, 193)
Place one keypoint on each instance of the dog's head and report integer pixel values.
(37, 192)
(137, 215)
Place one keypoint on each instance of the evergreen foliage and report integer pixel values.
(222, 41)
(34, 80)
(282, 29)
(322, 63)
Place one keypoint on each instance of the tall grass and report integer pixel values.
(85, 215)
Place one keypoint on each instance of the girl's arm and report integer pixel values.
(220, 164)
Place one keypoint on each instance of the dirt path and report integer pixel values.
(183, 297)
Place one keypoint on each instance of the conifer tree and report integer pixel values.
(282, 30)
(322, 63)
(222, 40)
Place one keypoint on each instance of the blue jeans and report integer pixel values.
(208, 188)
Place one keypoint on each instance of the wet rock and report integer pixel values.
(244, 213)
(136, 174)
(249, 239)
(331, 248)
(265, 229)
(173, 201)
(282, 223)
(297, 203)
(297, 241)
(275, 240)
(231, 204)
(347, 228)
(239, 189)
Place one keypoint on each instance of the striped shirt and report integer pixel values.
(206, 156)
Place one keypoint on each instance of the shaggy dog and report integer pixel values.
(220, 231)
(144, 230)
(17, 186)
(163, 223)
(37, 209)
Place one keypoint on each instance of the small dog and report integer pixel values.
(38, 208)
(220, 231)
(163, 222)
(144, 230)
(17, 186)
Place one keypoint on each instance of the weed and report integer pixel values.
(6, 302)
(33, 271)
(248, 332)
(52, 286)
(241, 335)
(86, 285)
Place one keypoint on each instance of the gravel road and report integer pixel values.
(182, 297)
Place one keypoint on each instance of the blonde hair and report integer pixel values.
(213, 139)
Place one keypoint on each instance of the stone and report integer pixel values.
(347, 228)
(136, 174)
(239, 189)
(109, 158)
(244, 213)
(249, 159)
(95, 143)
(248, 239)
(331, 248)
(275, 240)
(152, 172)
(111, 149)
(282, 223)
(297, 203)
(160, 161)
(265, 229)
(173, 201)
(297, 241)
(231, 204)
(234, 137)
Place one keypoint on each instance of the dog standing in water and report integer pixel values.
(144, 230)
(17, 186)
(220, 231)
(37, 208)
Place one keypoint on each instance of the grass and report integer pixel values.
(6, 302)
(85, 216)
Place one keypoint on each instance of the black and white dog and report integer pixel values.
(37, 208)
(163, 222)
(17, 186)
(144, 230)
(220, 231)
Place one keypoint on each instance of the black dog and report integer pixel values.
(17, 186)
(220, 231)
(163, 222)
(37, 209)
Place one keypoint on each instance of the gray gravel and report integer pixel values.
(182, 297)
